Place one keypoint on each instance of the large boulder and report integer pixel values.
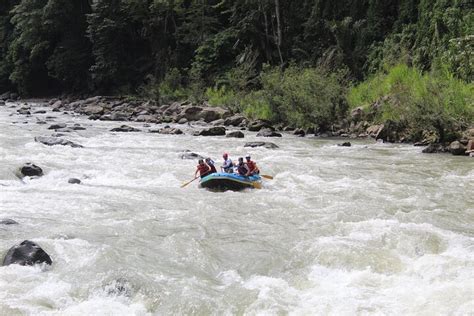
(235, 134)
(125, 128)
(457, 149)
(93, 110)
(212, 131)
(257, 125)
(390, 132)
(266, 132)
(27, 253)
(74, 181)
(261, 144)
(31, 170)
(373, 130)
(299, 132)
(52, 141)
(234, 120)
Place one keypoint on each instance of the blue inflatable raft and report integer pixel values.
(230, 181)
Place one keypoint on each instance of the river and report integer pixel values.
(369, 229)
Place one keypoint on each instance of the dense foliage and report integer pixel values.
(293, 57)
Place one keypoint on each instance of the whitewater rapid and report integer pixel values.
(369, 229)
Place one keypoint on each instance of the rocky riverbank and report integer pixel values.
(216, 119)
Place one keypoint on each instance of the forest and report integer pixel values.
(299, 62)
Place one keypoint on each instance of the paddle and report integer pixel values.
(266, 176)
(186, 183)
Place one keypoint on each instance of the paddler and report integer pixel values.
(210, 163)
(203, 169)
(242, 168)
(228, 166)
(252, 166)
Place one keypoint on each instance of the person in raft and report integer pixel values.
(210, 163)
(242, 168)
(203, 169)
(228, 166)
(252, 166)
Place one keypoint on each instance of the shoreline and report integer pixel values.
(121, 109)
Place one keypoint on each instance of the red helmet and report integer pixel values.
(225, 155)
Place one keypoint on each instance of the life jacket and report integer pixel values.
(252, 166)
(228, 166)
(203, 169)
(213, 169)
(242, 169)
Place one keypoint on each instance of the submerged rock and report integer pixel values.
(8, 221)
(125, 128)
(74, 181)
(27, 253)
(31, 170)
(52, 141)
(190, 155)
(57, 126)
(261, 144)
(434, 148)
(345, 144)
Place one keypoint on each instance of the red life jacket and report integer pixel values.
(203, 169)
(251, 165)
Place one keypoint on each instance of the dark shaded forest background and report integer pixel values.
(295, 61)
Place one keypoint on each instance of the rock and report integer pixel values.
(39, 112)
(56, 106)
(357, 113)
(235, 134)
(146, 118)
(190, 155)
(5, 96)
(52, 141)
(168, 131)
(373, 130)
(261, 144)
(434, 148)
(389, 132)
(31, 170)
(213, 131)
(299, 132)
(345, 144)
(78, 128)
(57, 126)
(115, 116)
(7, 221)
(93, 110)
(457, 149)
(14, 96)
(2, 103)
(125, 128)
(182, 121)
(74, 181)
(218, 122)
(65, 130)
(257, 125)
(27, 253)
(268, 133)
(24, 111)
(234, 120)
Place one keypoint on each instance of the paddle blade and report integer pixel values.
(186, 183)
(257, 185)
(266, 176)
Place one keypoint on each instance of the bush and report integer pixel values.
(433, 101)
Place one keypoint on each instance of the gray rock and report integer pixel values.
(268, 133)
(8, 221)
(93, 110)
(24, 111)
(187, 154)
(57, 126)
(234, 120)
(345, 144)
(168, 131)
(27, 253)
(213, 131)
(299, 132)
(435, 148)
(235, 134)
(261, 144)
(74, 181)
(52, 141)
(125, 128)
(39, 112)
(182, 121)
(457, 149)
(257, 125)
(31, 170)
